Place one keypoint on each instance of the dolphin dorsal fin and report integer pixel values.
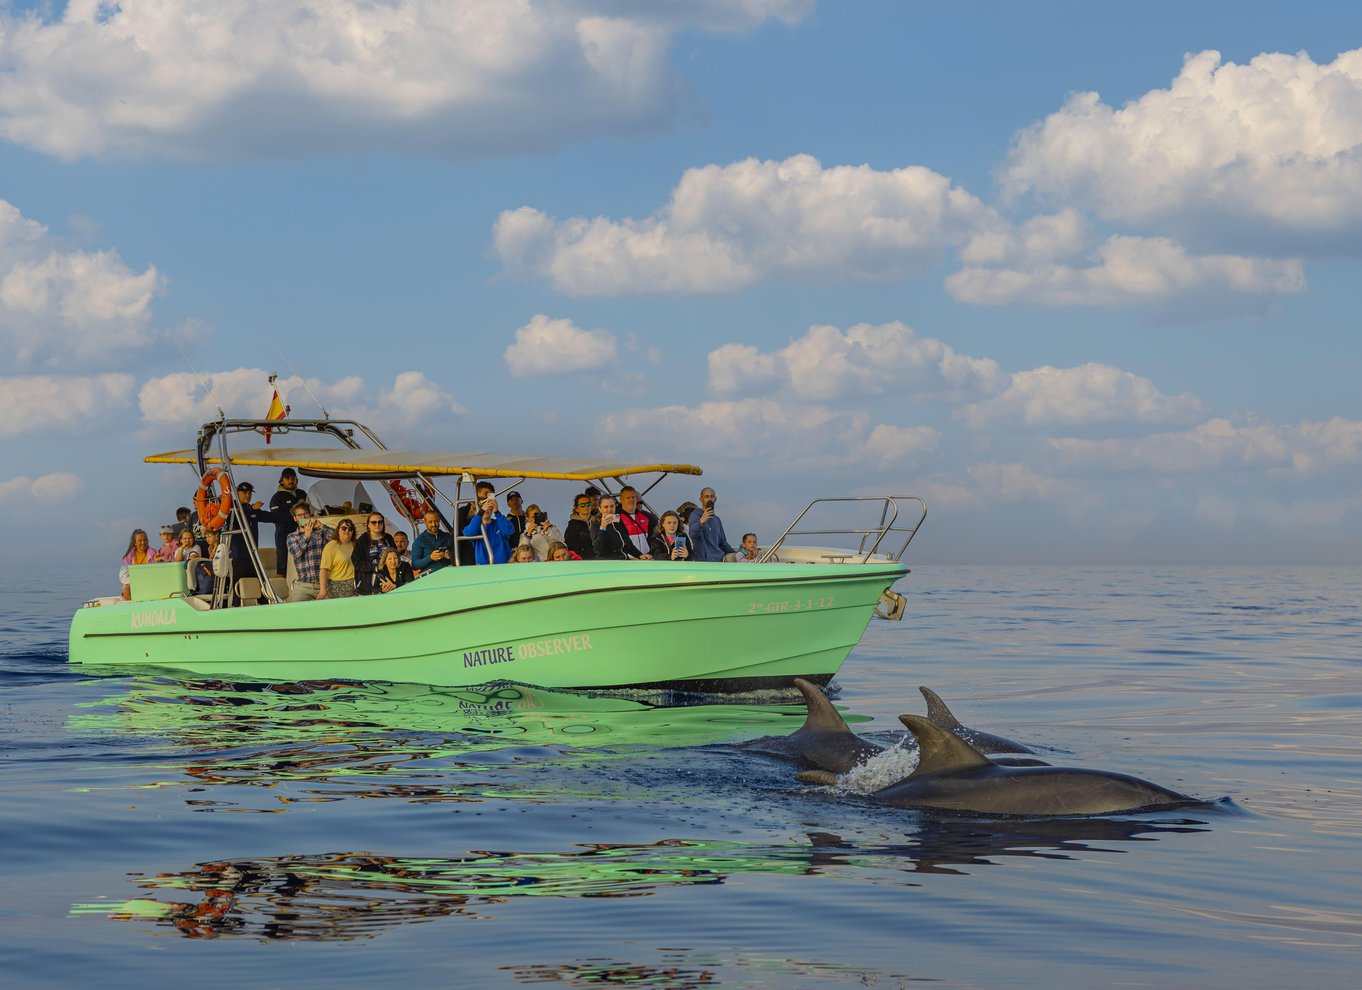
(941, 751)
(822, 716)
(937, 710)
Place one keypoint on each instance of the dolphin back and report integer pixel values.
(938, 712)
(822, 717)
(940, 750)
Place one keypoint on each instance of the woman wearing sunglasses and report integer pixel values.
(338, 567)
(579, 536)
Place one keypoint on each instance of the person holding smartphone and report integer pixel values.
(668, 542)
(707, 538)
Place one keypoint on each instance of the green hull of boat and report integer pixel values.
(589, 624)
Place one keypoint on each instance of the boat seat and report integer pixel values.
(248, 590)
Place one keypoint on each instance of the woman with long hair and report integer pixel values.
(579, 537)
(392, 573)
(338, 568)
(139, 552)
(560, 551)
(668, 543)
(613, 542)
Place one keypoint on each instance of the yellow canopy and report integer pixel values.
(346, 463)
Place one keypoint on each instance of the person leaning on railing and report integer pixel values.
(139, 552)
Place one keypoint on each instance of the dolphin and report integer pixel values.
(984, 742)
(952, 775)
(824, 740)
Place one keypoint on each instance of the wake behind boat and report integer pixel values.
(579, 624)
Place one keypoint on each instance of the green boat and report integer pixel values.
(579, 624)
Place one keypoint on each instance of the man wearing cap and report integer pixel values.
(242, 564)
(281, 513)
(515, 515)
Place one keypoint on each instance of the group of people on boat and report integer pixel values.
(340, 562)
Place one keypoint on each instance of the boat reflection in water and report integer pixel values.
(376, 739)
(265, 747)
(356, 895)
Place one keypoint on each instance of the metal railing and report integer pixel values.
(871, 538)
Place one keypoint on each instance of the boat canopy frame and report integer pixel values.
(384, 466)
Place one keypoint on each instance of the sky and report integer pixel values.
(1082, 276)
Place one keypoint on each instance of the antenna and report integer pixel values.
(291, 368)
(202, 384)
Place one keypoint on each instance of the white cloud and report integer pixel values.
(1089, 393)
(546, 346)
(785, 433)
(178, 399)
(1015, 482)
(1050, 237)
(728, 226)
(1269, 148)
(37, 403)
(826, 363)
(278, 77)
(1304, 448)
(50, 488)
(58, 305)
(414, 398)
(1149, 271)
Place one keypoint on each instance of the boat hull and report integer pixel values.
(589, 624)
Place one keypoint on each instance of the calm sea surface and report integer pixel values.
(163, 830)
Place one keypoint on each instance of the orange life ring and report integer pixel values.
(212, 515)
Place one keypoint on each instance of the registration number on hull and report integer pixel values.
(797, 605)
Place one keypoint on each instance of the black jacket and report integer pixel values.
(364, 565)
(613, 543)
(577, 536)
(404, 576)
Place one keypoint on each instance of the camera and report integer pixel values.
(540, 518)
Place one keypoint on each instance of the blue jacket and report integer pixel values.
(425, 542)
(499, 534)
(708, 542)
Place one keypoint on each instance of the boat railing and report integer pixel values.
(871, 537)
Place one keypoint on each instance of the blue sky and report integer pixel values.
(1081, 275)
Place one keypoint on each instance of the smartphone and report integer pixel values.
(680, 540)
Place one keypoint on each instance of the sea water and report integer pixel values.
(163, 829)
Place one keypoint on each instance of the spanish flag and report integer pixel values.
(277, 410)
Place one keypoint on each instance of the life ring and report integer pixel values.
(212, 515)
